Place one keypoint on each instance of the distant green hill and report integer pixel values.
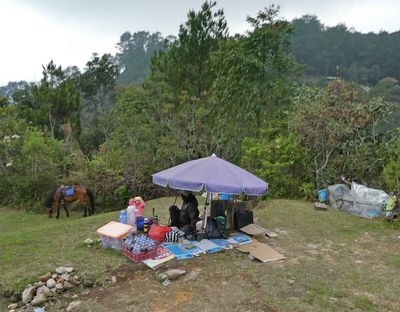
(338, 50)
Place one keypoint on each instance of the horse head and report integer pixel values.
(48, 203)
(49, 211)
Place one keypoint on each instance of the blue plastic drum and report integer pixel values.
(323, 195)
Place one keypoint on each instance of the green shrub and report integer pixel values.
(282, 162)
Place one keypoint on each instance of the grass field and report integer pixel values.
(334, 262)
(31, 244)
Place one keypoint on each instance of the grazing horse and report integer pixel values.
(69, 194)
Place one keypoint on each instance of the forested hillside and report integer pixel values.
(339, 51)
(161, 102)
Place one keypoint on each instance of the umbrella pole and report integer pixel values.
(206, 211)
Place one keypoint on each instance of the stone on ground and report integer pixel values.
(39, 300)
(74, 306)
(61, 270)
(45, 277)
(43, 291)
(51, 283)
(28, 293)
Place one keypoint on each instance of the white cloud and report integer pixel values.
(30, 39)
(33, 32)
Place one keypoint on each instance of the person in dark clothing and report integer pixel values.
(186, 217)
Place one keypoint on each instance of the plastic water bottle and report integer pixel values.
(123, 217)
(131, 217)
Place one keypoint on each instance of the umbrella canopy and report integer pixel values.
(211, 174)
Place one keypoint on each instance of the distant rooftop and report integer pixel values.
(333, 78)
(391, 79)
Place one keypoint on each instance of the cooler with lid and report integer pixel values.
(113, 233)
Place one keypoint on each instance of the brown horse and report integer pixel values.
(69, 194)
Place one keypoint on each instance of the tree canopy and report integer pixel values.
(256, 99)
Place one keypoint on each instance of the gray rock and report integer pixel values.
(39, 300)
(174, 274)
(59, 286)
(44, 291)
(53, 290)
(51, 283)
(12, 306)
(28, 293)
(61, 270)
(74, 306)
(88, 282)
(69, 270)
(68, 285)
(113, 279)
(65, 276)
(54, 276)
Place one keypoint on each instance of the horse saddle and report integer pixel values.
(68, 190)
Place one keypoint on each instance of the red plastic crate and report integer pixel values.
(140, 256)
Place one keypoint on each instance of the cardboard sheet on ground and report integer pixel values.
(261, 251)
(256, 230)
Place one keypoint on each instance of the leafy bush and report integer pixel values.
(282, 162)
(34, 165)
(391, 170)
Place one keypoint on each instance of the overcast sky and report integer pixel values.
(34, 31)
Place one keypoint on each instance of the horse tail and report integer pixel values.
(48, 202)
(91, 200)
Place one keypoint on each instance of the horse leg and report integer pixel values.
(85, 211)
(58, 210)
(66, 209)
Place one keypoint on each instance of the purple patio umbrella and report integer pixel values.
(213, 175)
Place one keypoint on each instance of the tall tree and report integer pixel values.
(97, 84)
(98, 81)
(135, 53)
(185, 65)
(255, 72)
(51, 103)
(181, 79)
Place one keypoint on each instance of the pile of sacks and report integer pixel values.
(49, 285)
